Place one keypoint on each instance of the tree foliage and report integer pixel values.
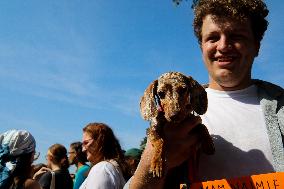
(143, 143)
(177, 2)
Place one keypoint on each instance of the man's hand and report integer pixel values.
(179, 141)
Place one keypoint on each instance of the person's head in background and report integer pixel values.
(229, 33)
(57, 157)
(76, 155)
(100, 143)
(17, 151)
(132, 157)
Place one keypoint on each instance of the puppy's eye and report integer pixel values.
(161, 94)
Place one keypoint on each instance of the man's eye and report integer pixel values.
(212, 38)
(238, 37)
(161, 94)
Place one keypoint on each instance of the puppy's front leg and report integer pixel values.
(155, 134)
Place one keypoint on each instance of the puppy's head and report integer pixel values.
(176, 95)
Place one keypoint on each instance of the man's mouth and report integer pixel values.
(224, 60)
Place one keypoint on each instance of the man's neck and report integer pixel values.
(222, 87)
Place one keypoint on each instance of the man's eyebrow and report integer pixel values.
(206, 34)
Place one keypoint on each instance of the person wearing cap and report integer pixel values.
(132, 157)
(17, 150)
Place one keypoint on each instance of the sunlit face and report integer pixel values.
(88, 146)
(229, 48)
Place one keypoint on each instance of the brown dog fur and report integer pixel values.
(172, 98)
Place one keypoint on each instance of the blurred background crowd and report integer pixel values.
(97, 160)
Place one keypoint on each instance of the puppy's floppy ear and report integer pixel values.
(198, 97)
(148, 106)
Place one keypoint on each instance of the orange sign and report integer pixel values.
(263, 181)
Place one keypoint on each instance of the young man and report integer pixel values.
(245, 117)
(79, 159)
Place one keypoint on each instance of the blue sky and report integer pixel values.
(67, 63)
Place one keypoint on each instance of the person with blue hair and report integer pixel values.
(17, 151)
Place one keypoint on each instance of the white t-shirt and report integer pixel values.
(236, 123)
(104, 175)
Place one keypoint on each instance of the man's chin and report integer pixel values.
(224, 82)
(232, 85)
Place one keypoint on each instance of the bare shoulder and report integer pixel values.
(32, 184)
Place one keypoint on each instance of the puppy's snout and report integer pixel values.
(174, 111)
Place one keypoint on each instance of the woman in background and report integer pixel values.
(103, 150)
(78, 158)
(57, 165)
(17, 151)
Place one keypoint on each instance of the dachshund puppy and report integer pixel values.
(172, 98)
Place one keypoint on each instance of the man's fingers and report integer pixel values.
(181, 150)
(183, 128)
(190, 123)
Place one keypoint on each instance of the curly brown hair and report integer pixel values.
(241, 10)
(106, 145)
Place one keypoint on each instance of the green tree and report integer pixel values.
(143, 143)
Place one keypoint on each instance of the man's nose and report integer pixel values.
(224, 44)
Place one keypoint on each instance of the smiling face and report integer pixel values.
(88, 146)
(228, 48)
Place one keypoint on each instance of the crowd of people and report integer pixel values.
(245, 118)
(99, 159)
